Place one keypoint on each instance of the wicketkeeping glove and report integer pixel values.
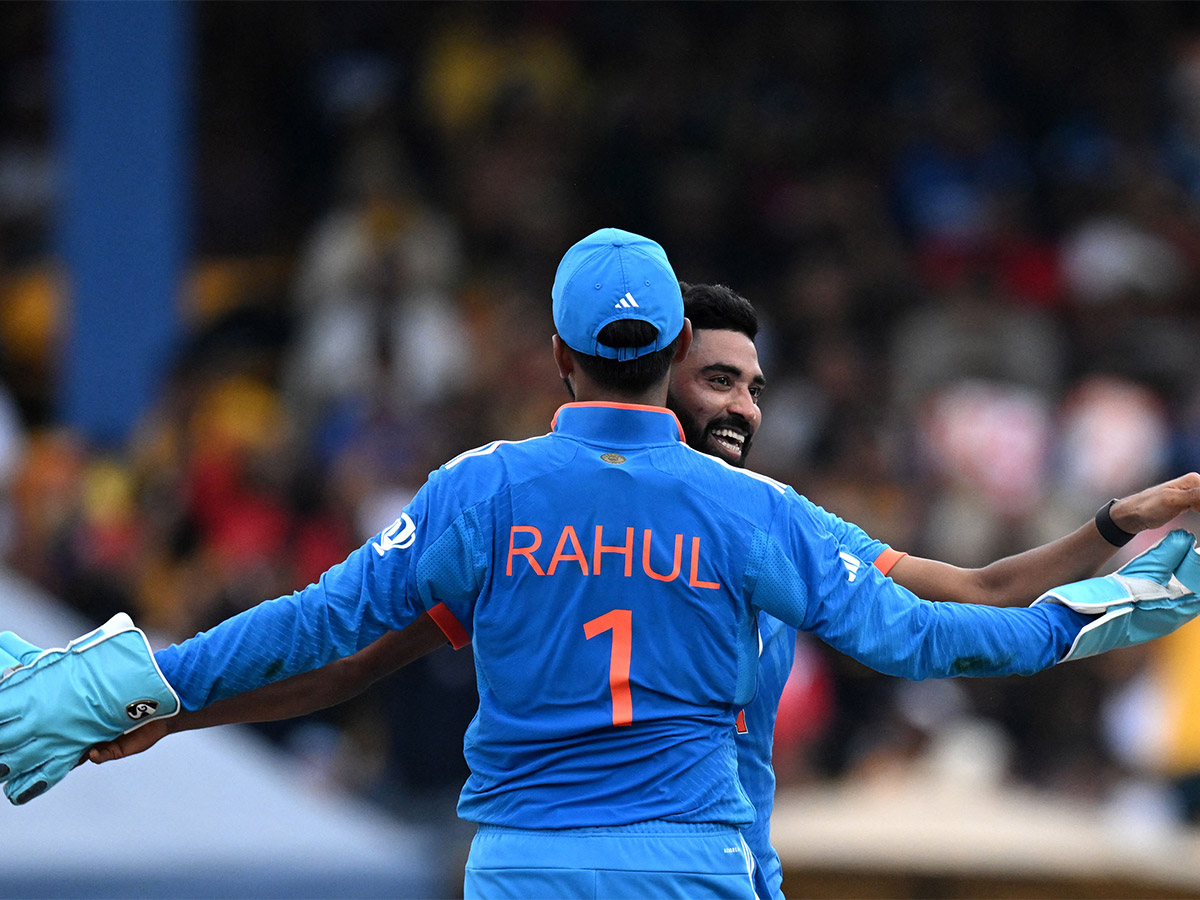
(1148, 597)
(55, 704)
(15, 652)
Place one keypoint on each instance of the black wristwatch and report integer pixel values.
(1109, 529)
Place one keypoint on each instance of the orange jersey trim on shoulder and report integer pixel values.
(451, 627)
(888, 558)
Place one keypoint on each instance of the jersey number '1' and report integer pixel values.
(620, 622)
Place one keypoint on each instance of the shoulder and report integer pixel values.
(722, 474)
(752, 492)
(493, 466)
(496, 449)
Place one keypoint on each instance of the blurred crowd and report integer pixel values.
(972, 232)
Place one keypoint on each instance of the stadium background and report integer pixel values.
(322, 268)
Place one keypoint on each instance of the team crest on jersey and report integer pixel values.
(615, 458)
(397, 536)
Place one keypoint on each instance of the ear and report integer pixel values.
(685, 341)
(563, 358)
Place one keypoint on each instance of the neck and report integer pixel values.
(587, 391)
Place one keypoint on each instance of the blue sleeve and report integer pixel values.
(809, 580)
(851, 537)
(383, 586)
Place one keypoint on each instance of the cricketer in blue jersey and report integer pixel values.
(610, 580)
(714, 393)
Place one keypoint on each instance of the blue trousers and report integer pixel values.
(647, 861)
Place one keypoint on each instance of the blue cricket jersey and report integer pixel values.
(755, 743)
(609, 578)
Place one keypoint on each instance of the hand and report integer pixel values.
(58, 703)
(1148, 597)
(1158, 505)
(132, 743)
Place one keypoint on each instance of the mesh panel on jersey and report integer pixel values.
(455, 562)
(780, 590)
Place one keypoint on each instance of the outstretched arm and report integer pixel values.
(1017, 580)
(295, 696)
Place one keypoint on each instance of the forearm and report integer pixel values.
(1020, 579)
(295, 696)
(299, 695)
(336, 617)
(321, 688)
(1016, 580)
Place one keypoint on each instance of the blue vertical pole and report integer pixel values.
(123, 93)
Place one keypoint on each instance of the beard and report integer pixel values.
(701, 436)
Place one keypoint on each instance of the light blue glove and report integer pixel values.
(1148, 597)
(58, 703)
(15, 652)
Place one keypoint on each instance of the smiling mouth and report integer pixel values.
(729, 440)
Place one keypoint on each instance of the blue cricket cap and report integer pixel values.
(610, 275)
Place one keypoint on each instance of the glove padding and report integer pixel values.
(15, 652)
(55, 704)
(1148, 597)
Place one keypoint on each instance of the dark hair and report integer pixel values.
(634, 376)
(715, 306)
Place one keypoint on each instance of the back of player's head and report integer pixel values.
(612, 276)
(716, 307)
(618, 306)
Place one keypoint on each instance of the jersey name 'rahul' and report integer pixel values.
(525, 540)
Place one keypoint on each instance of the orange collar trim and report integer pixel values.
(640, 407)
